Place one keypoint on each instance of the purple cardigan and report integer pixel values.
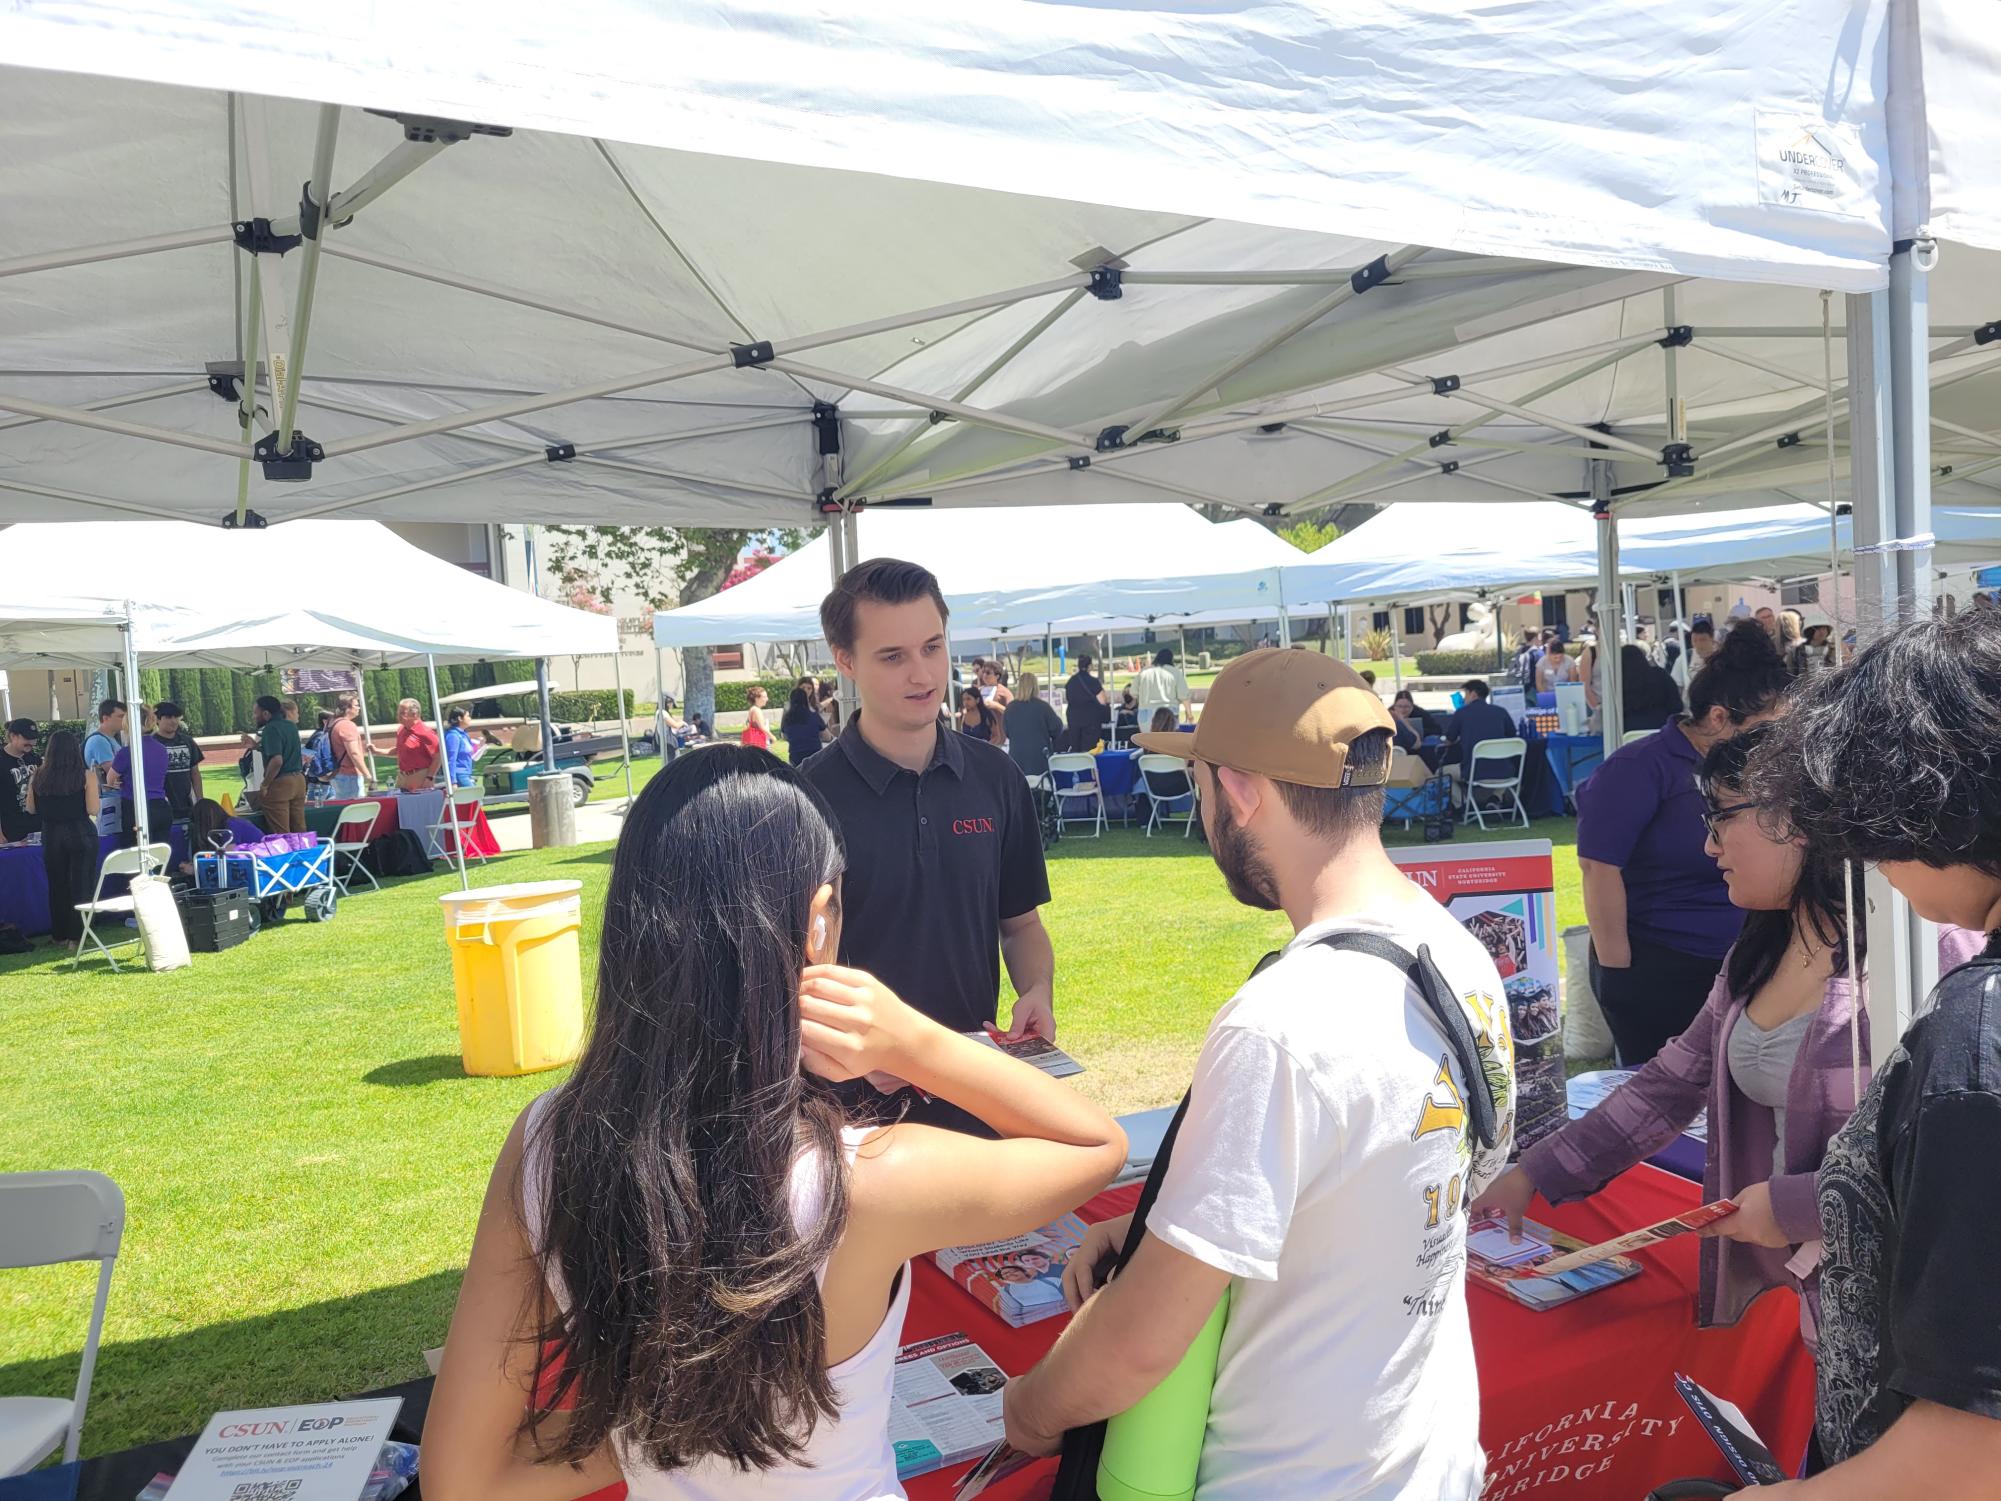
(1649, 1110)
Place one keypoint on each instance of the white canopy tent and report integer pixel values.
(325, 593)
(1100, 564)
(1134, 338)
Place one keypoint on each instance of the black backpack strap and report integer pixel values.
(1423, 973)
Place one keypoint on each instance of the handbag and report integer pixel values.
(1083, 1447)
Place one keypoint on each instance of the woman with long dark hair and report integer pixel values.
(803, 728)
(978, 717)
(64, 796)
(1648, 696)
(1769, 1057)
(1895, 760)
(1661, 917)
(692, 1263)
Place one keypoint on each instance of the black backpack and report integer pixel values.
(397, 854)
(1077, 1470)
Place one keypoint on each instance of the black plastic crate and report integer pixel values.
(216, 920)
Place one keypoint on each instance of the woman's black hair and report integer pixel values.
(1745, 676)
(206, 817)
(1818, 910)
(692, 1326)
(62, 770)
(1897, 756)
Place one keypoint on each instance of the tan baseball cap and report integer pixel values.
(1285, 714)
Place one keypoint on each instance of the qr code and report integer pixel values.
(266, 1490)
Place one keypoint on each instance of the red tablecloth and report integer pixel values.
(1576, 1404)
(479, 833)
(479, 839)
(386, 821)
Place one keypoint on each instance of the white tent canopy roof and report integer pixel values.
(325, 593)
(607, 315)
(1416, 553)
(1004, 572)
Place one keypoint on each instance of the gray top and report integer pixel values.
(1761, 1066)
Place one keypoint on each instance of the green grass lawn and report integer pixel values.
(302, 1157)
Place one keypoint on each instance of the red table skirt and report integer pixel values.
(1576, 1404)
(479, 833)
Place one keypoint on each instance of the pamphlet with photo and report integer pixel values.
(945, 1406)
(1038, 1051)
(1515, 1269)
(1020, 1278)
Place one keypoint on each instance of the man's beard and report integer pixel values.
(1245, 870)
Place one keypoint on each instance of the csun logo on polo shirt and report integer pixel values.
(964, 826)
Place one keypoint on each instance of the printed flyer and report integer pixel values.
(1505, 894)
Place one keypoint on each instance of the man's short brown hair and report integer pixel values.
(882, 581)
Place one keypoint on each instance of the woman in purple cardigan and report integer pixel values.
(1770, 1055)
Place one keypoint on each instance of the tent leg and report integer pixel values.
(1396, 647)
(542, 704)
(1611, 719)
(624, 722)
(450, 814)
(136, 788)
(1284, 615)
(1681, 616)
(1889, 412)
(367, 745)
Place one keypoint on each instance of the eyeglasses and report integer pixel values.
(1713, 818)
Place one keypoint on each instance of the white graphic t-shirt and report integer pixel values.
(1325, 1163)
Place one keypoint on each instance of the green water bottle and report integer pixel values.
(1153, 1450)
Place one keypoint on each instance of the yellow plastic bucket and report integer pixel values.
(516, 968)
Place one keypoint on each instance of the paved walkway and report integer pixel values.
(596, 823)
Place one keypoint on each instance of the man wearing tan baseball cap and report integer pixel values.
(1349, 1101)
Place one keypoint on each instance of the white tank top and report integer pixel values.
(848, 1460)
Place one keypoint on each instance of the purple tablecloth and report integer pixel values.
(24, 883)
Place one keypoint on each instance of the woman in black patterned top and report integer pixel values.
(1895, 760)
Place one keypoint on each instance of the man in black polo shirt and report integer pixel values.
(944, 853)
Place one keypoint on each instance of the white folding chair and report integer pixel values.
(360, 816)
(1085, 790)
(1488, 752)
(47, 1218)
(459, 812)
(129, 862)
(1168, 780)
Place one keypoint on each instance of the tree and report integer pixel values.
(664, 566)
(1439, 615)
(1310, 536)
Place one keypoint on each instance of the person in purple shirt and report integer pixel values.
(1660, 915)
(1770, 1056)
(159, 811)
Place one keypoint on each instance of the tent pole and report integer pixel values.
(1284, 615)
(1681, 618)
(1396, 646)
(367, 745)
(450, 813)
(660, 699)
(1606, 650)
(319, 189)
(136, 788)
(548, 725)
(624, 720)
(113, 250)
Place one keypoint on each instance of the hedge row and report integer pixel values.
(734, 698)
(591, 703)
(1473, 664)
